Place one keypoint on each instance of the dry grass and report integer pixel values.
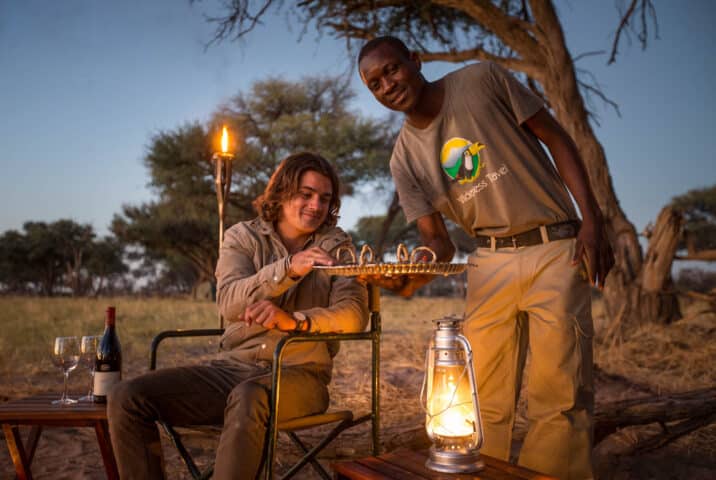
(660, 358)
(667, 358)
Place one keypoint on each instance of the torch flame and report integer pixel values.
(224, 140)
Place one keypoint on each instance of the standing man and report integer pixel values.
(469, 149)
(267, 288)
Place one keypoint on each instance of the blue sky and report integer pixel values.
(84, 84)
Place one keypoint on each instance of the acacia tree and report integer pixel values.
(180, 223)
(525, 36)
(274, 118)
(698, 208)
(45, 256)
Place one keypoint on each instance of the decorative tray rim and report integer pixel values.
(390, 269)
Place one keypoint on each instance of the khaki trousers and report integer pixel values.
(227, 392)
(557, 328)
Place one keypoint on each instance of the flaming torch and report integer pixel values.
(222, 179)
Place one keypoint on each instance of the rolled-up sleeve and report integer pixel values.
(348, 310)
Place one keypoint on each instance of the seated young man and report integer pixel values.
(267, 287)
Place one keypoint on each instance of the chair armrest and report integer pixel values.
(195, 332)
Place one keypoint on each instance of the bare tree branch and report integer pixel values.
(238, 22)
(593, 88)
(514, 32)
(646, 11)
(587, 54)
(349, 30)
(511, 63)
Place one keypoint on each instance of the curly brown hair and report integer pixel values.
(285, 183)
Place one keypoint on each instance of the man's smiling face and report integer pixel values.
(306, 211)
(393, 78)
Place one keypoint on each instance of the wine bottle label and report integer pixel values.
(103, 381)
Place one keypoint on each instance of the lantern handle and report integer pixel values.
(473, 380)
(429, 364)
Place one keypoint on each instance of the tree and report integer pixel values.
(45, 262)
(180, 223)
(73, 241)
(274, 118)
(698, 208)
(46, 256)
(14, 272)
(104, 265)
(525, 36)
(688, 222)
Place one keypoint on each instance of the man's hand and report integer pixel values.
(403, 285)
(269, 316)
(594, 249)
(303, 262)
(396, 284)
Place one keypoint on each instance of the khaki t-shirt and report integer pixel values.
(476, 163)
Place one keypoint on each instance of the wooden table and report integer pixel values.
(410, 465)
(39, 412)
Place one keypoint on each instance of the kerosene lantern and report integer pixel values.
(450, 400)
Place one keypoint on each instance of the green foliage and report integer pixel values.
(47, 257)
(699, 209)
(180, 227)
(279, 117)
(368, 229)
(14, 259)
(272, 120)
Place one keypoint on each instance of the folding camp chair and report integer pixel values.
(343, 419)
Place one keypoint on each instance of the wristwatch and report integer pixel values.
(301, 320)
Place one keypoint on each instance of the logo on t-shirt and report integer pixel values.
(460, 159)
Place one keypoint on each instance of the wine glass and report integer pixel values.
(88, 354)
(66, 355)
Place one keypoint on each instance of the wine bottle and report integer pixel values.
(108, 362)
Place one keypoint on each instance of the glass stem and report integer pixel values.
(66, 374)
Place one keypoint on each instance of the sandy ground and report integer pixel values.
(72, 453)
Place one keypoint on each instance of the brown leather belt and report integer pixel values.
(555, 231)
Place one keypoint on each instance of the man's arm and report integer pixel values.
(592, 243)
(433, 234)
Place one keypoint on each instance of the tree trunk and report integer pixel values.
(390, 215)
(623, 292)
(699, 405)
(655, 303)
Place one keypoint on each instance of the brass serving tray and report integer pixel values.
(390, 269)
(407, 264)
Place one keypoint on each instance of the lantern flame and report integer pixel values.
(224, 140)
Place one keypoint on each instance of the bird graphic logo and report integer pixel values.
(460, 159)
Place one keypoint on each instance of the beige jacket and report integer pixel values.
(252, 266)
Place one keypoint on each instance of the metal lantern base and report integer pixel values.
(454, 462)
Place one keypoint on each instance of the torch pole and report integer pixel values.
(222, 182)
